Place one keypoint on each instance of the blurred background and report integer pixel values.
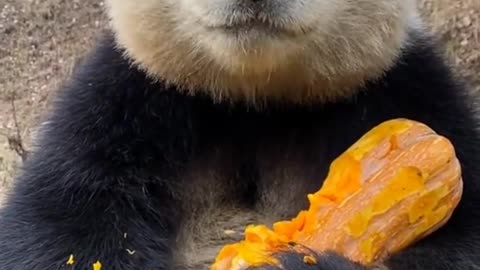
(41, 40)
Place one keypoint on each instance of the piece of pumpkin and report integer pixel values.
(398, 183)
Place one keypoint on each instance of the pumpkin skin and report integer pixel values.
(397, 184)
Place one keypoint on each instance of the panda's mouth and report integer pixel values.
(252, 26)
(259, 27)
(254, 20)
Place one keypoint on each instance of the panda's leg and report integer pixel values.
(100, 184)
(47, 220)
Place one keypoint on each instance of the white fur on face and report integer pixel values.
(307, 50)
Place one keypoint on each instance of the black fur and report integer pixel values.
(293, 260)
(115, 143)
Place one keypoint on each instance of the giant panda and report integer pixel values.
(191, 117)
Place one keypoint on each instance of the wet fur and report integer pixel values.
(131, 171)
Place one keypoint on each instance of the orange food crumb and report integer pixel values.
(97, 266)
(310, 260)
(71, 260)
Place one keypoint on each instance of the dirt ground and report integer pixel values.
(40, 40)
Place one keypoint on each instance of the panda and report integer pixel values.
(192, 117)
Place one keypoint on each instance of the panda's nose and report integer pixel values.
(252, 3)
(249, 10)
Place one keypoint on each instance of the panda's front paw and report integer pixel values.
(326, 261)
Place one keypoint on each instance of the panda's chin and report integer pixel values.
(258, 29)
(251, 51)
(254, 37)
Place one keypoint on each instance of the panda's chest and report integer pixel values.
(234, 185)
(271, 174)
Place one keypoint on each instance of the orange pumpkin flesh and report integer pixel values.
(400, 182)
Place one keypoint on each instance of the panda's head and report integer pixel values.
(290, 50)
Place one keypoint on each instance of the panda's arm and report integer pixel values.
(99, 183)
(454, 246)
(423, 89)
(457, 244)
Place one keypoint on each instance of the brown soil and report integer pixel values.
(40, 41)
